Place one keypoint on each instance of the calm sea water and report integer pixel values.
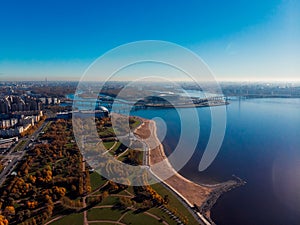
(261, 145)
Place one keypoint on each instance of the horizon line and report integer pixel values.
(183, 81)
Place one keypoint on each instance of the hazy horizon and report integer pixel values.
(270, 81)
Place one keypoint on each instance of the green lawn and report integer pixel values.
(107, 132)
(140, 157)
(110, 200)
(124, 192)
(174, 202)
(136, 123)
(104, 214)
(123, 156)
(158, 212)
(140, 218)
(96, 180)
(115, 148)
(108, 144)
(102, 223)
(73, 219)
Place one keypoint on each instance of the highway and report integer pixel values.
(13, 157)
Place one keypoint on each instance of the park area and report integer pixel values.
(54, 185)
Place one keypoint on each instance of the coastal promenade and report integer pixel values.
(188, 192)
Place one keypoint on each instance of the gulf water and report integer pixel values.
(261, 146)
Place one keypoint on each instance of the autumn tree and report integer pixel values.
(3, 220)
(9, 211)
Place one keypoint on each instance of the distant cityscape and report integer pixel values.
(19, 113)
(23, 104)
(21, 107)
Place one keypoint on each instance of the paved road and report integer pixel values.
(17, 156)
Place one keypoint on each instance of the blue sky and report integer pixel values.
(238, 39)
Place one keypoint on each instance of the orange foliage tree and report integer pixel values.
(3, 220)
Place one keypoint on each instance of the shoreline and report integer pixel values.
(200, 198)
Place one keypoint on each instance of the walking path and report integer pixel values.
(111, 148)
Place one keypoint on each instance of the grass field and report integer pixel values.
(104, 214)
(73, 219)
(140, 218)
(96, 180)
(107, 132)
(174, 202)
(110, 200)
(136, 123)
(108, 144)
(116, 146)
(162, 215)
(102, 223)
(111, 214)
